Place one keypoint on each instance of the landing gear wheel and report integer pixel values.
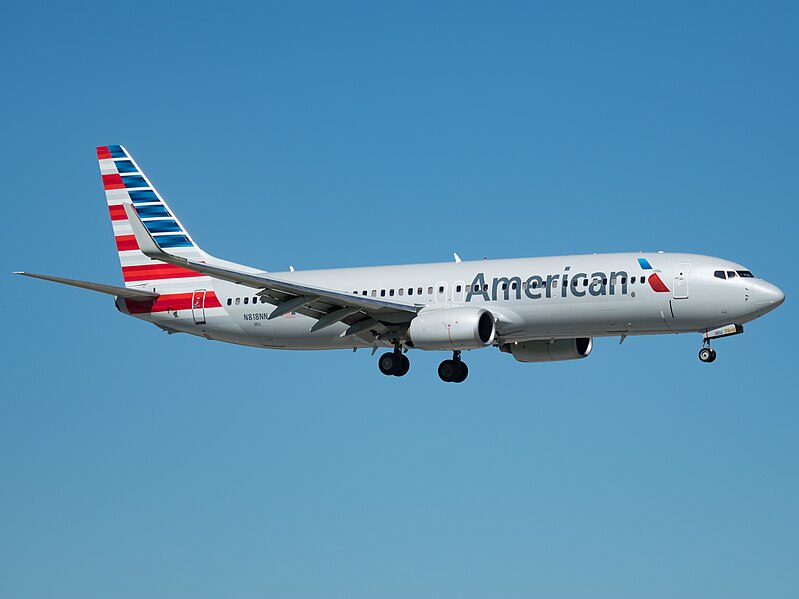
(389, 363)
(463, 372)
(404, 366)
(394, 363)
(447, 370)
(707, 354)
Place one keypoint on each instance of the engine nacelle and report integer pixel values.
(550, 351)
(453, 328)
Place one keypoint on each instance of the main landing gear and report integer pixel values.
(394, 363)
(707, 354)
(453, 371)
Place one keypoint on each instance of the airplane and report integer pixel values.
(542, 309)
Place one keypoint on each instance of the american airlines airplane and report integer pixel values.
(535, 309)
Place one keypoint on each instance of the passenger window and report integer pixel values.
(441, 289)
(246, 300)
(238, 299)
(263, 299)
(429, 291)
(458, 288)
(585, 282)
(485, 287)
(401, 291)
(255, 300)
(374, 292)
(382, 293)
(391, 292)
(504, 286)
(410, 290)
(364, 292)
(643, 279)
(623, 280)
(554, 283)
(719, 274)
(604, 281)
(229, 301)
(419, 291)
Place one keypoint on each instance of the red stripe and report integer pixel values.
(159, 270)
(126, 242)
(117, 212)
(171, 302)
(113, 182)
(657, 284)
(103, 152)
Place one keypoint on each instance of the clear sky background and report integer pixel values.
(135, 464)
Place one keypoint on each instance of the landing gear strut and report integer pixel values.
(394, 363)
(707, 354)
(453, 371)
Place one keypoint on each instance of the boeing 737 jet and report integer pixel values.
(535, 309)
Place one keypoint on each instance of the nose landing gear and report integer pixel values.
(454, 370)
(707, 354)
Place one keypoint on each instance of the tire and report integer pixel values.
(404, 366)
(712, 355)
(388, 363)
(706, 355)
(447, 371)
(463, 372)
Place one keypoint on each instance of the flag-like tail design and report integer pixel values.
(125, 183)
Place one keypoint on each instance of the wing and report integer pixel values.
(328, 306)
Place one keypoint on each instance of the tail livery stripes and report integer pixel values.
(125, 183)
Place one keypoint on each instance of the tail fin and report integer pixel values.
(125, 183)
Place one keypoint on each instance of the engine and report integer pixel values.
(549, 351)
(453, 328)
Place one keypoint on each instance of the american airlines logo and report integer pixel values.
(563, 284)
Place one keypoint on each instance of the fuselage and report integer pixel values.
(555, 297)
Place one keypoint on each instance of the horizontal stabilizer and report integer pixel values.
(135, 294)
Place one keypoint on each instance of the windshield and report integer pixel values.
(745, 273)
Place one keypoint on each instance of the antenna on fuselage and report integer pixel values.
(457, 258)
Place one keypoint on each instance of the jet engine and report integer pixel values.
(453, 328)
(549, 351)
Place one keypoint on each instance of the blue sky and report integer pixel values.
(136, 464)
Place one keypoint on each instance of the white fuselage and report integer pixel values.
(604, 294)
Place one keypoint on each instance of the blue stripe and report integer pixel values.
(142, 195)
(173, 241)
(125, 166)
(134, 181)
(644, 264)
(162, 226)
(117, 152)
(152, 211)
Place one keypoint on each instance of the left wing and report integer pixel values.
(328, 306)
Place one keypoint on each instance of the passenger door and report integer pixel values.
(198, 306)
(681, 272)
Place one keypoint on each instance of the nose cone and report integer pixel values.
(768, 297)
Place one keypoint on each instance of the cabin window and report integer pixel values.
(485, 287)
(458, 288)
(429, 291)
(238, 299)
(554, 283)
(410, 290)
(391, 292)
(513, 285)
(364, 292)
(229, 301)
(246, 300)
(623, 280)
(719, 274)
(382, 293)
(374, 292)
(441, 289)
(400, 291)
(504, 286)
(643, 280)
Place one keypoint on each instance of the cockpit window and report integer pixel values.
(746, 274)
(731, 274)
(719, 274)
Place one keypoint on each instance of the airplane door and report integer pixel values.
(681, 272)
(198, 306)
(441, 293)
